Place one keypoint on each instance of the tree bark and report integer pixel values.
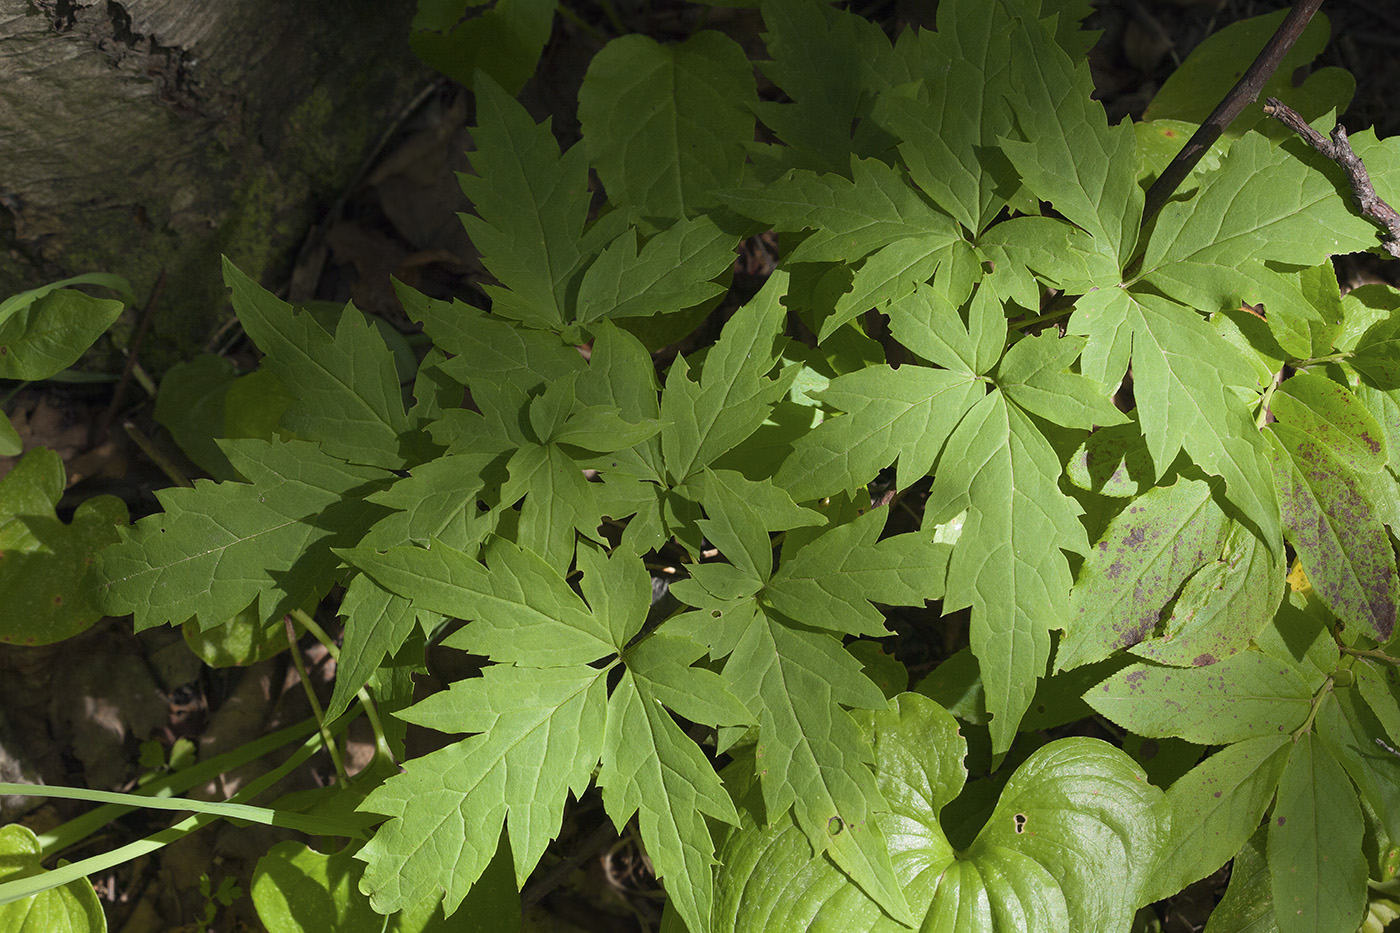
(145, 135)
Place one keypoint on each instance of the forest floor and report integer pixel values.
(106, 709)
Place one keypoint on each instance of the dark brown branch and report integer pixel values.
(1339, 150)
(1245, 92)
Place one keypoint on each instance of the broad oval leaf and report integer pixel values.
(1069, 846)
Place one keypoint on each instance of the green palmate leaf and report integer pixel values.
(1114, 462)
(219, 547)
(1061, 255)
(1267, 202)
(489, 348)
(531, 205)
(1246, 696)
(927, 322)
(1071, 157)
(1182, 374)
(346, 386)
(521, 609)
(673, 271)
(1344, 548)
(832, 581)
(1316, 865)
(649, 765)
(948, 131)
(825, 60)
(707, 418)
(1008, 564)
(44, 562)
(1035, 376)
(1214, 809)
(1068, 847)
(666, 125)
(904, 413)
(540, 735)
(1137, 567)
(72, 908)
(811, 754)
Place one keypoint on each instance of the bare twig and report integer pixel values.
(1245, 92)
(1339, 150)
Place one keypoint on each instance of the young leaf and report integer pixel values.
(540, 735)
(45, 330)
(1316, 865)
(218, 547)
(666, 125)
(1008, 564)
(346, 386)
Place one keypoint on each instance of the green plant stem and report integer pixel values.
(381, 744)
(594, 32)
(316, 709)
(157, 456)
(1317, 699)
(1374, 654)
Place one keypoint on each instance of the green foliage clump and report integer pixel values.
(1130, 566)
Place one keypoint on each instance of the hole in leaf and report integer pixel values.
(834, 826)
(715, 613)
(1020, 821)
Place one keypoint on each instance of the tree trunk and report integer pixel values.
(148, 135)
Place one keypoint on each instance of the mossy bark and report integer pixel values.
(147, 135)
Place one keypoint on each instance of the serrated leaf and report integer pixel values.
(558, 502)
(1267, 202)
(1059, 253)
(666, 125)
(346, 385)
(927, 322)
(1136, 568)
(1071, 157)
(1069, 846)
(1008, 564)
(675, 270)
(377, 623)
(1182, 371)
(832, 582)
(1316, 865)
(1245, 696)
(1334, 418)
(540, 735)
(520, 608)
(705, 419)
(652, 769)
(45, 582)
(1035, 376)
(218, 547)
(1344, 547)
(1215, 807)
(903, 414)
(531, 204)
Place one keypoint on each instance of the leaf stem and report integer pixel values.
(1317, 699)
(316, 709)
(381, 744)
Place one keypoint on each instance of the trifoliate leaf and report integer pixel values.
(540, 735)
(346, 385)
(1008, 565)
(666, 125)
(218, 547)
